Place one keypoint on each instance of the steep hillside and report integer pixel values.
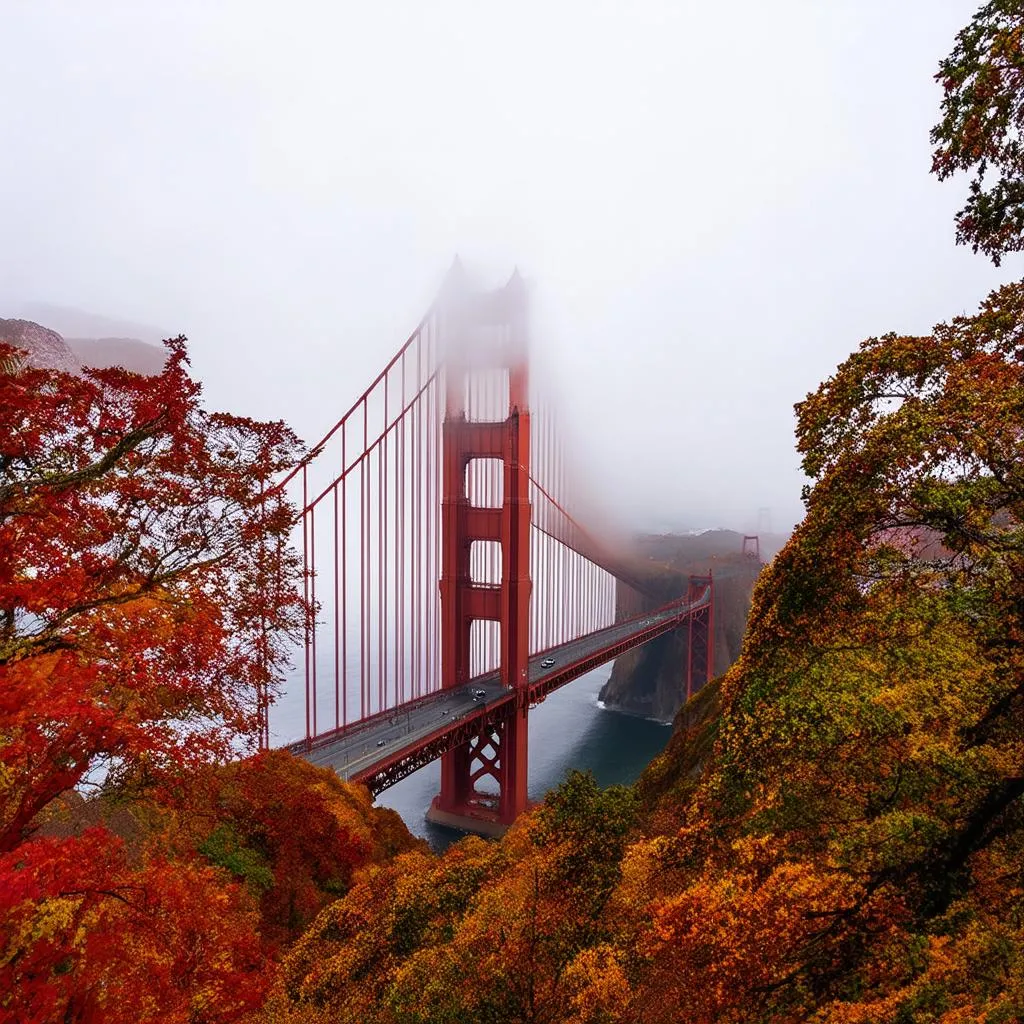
(93, 340)
(46, 348)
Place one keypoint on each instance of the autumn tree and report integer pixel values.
(147, 595)
(981, 127)
(397, 915)
(488, 932)
(294, 833)
(91, 936)
(147, 602)
(864, 791)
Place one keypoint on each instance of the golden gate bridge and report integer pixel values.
(453, 581)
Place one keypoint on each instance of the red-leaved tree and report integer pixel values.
(148, 599)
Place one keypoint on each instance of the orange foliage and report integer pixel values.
(294, 832)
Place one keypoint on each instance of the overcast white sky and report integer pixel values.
(714, 202)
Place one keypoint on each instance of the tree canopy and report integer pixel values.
(147, 598)
(980, 130)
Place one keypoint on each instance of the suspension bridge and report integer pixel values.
(455, 583)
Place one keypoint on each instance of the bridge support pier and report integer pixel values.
(496, 759)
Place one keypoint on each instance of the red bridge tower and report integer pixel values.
(489, 337)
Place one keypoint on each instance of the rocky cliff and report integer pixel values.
(651, 680)
(44, 348)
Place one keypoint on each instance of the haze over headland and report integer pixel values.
(712, 207)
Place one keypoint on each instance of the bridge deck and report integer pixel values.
(384, 749)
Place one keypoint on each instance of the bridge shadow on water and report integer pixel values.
(568, 731)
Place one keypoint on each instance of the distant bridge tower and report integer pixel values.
(752, 547)
(487, 357)
(700, 668)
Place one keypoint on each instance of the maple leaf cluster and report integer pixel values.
(981, 128)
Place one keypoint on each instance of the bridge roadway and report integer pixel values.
(385, 748)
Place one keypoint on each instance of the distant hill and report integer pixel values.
(130, 353)
(45, 348)
(69, 338)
